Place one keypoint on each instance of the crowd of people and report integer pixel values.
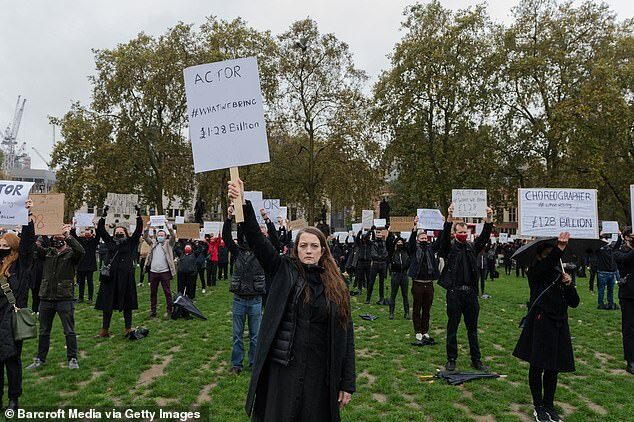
(292, 291)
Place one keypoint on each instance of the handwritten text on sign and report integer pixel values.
(13, 195)
(548, 212)
(226, 116)
(469, 203)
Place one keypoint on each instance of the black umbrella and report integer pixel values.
(184, 307)
(525, 255)
(457, 378)
(368, 317)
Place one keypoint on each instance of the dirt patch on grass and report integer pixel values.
(93, 376)
(379, 397)
(366, 353)
(469, 413)
(566, 409)
(203, 396)
(466, 393)
(593, 406)
(602, 357)
(498, 347)
(371, 378)
(516, 409)
(157, 370)
(164, 402)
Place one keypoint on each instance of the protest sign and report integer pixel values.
(430, 233)
(493, 240)
(226, 115)
(83, 219)
(610, 226)
(271, 206)
(550, 211)
(615, 237)
(406, 235)
(48, 211)
(297, 224)
(121, 207)
(202, 234)
(357, 227)
(401, 224)
(253, 195)
(283, 212)
(214, 227)
(179, 220)
(341, 237)
(504, 237)
(380, 223)
(157, 220)
(431, 219)
(188, 231)
(469, 203)
(367, 218)
(13, 196)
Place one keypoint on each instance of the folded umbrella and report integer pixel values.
(578, 248)
(457, 378)
(183, 307)
(368, 317)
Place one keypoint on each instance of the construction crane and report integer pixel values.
(48, 164)
(9, 137)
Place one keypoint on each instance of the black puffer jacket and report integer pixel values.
(379, 251)
(624, 257)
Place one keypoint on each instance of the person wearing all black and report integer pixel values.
(545, 341)
(103, 253)
(423, 270)
(117, 291)
(399, 266)
(507, 251)
(88, 264)
(201, 262)
(364, 261)
(491, 258)
(186, 272)
(518, 268)
(16, 262)
(378, 266)
(624, 257)
(593, 271)
(36, 274)
(223, 262)
(304, 367)
(460, 278)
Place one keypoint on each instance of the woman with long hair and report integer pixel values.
(16, 259)
(304, 364)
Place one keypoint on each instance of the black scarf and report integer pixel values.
(313, 276)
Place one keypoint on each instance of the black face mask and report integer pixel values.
(4, 253)
(57, 243)
(119, 235)
(399, 246)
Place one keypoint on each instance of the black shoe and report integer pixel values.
(540, 414)
(367, 301)
(235, 370)
(153, 315)
(630, 367)
(552, 413)
(379, 302)
(602, 306)
(450, 366)
(391, 315)
(13, 404)
(615, 307)
(406, 316)
(478, 365)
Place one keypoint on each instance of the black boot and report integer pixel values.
(407, 316)
(391, 311)
(630, 367)
(13, 404)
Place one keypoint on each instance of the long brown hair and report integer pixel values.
(14, 243)
(334, 286)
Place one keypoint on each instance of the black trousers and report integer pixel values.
(66, 311)
(484, 272)
(363, 274)
(593, 274)
(627, 328)
(519, 268)
(423, 294)
(223, 271)
(399, 281)
(13, 367)
(380, 269)
(508, 266)
(459, 303)
(142, 270)
(186, 283)
(212, 268)
(201, 275)
(35, 297)
(541, 379)
(83, 278)
(107, 319)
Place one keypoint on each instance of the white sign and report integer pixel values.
(180, 220)
(431, 219)
(615, 237)
(214, 227)
(478, 228)
(83, 219)
(493, 240)
(380, 223)
(271, 206)
(341, 237)
(13, 195)
(504, 237)
(284, 213)
(253, 195)
(549, 211)
(469, 203)
(226, 115)
(406, 235)
(367, 218)
(356, 228)
(430, 233)
(157, 220)
(610, 227)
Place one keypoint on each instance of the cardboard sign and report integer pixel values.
(13, 196)
(504, 237)
(157, 220)
(430, 219)
(214, 227)
(48, 210)
(188, 231)
(226, 115)
(83, 219)
(469, 203)
(297, 224)
(610, 227)
(380, 223)
(121, 209)
(179, 220)
(401, 224)
(367, 218)
(356, 228)
(550, 211)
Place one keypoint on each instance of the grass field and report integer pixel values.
(185, 364)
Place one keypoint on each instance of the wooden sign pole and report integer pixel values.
(237, 208)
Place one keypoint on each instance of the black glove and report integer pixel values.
(138, 210)
(104, 212)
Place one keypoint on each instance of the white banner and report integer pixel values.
(367, 218)
(469, 203)
(430, 219)
(547, 212)
(83, 219)
(214, 227)
(157, 220)
(380, 223)
(226, 115)
(13, 195)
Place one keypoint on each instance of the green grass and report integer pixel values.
(196, 358)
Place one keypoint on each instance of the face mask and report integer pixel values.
(160, 239)
(57, 243)
(399, 246)
(423, 242)
(4, 252)
(461, 237)
(88, 235)
(188, 250)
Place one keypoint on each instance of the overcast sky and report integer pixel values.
(45, 46)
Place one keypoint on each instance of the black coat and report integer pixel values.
(19, 279)
(545, 339)
(118, 292)
(624, 257)
(89, 261)
(284, 275)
